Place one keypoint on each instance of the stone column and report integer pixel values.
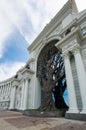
(22, 96)
(73, 108)
(25, 95)
(81, 77)
(12, 98)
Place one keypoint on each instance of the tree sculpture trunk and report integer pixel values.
(47, 102)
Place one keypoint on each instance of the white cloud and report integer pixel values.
(5, 30)
(8, 70)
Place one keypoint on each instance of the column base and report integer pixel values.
(83, 111)
(76, 116)
(11, 108)
(73, 111)
(23, 109)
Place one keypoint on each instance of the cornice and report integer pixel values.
(81, 19)
(20, 70)
(73, 34)
(26, 73)
(27, 70)
(7, 80)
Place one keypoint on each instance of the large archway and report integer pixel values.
(51, 74)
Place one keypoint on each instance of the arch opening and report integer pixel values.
(51, 74)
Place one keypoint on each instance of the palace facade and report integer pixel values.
(67, 33)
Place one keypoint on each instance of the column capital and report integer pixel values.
(75, 50)
(14, 86)
(26, 76)
(65, 55)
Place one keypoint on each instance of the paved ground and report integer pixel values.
(16, 121)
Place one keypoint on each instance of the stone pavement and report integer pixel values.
(10, 120)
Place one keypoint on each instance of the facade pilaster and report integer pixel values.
(81, 77)
(25, 99)
(73, 108)
(22, 94)
(13, 94)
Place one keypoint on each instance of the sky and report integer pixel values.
(20, 23)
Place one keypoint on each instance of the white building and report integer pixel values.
(68, 30)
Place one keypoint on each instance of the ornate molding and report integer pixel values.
(15, 82)
(66, 55)
(70, 45)
(75, 50)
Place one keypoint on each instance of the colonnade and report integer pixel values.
(5, 90)
(14, 92)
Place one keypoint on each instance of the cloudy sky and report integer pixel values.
(20, 22)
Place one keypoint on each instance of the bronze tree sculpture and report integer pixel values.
(50, 71)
